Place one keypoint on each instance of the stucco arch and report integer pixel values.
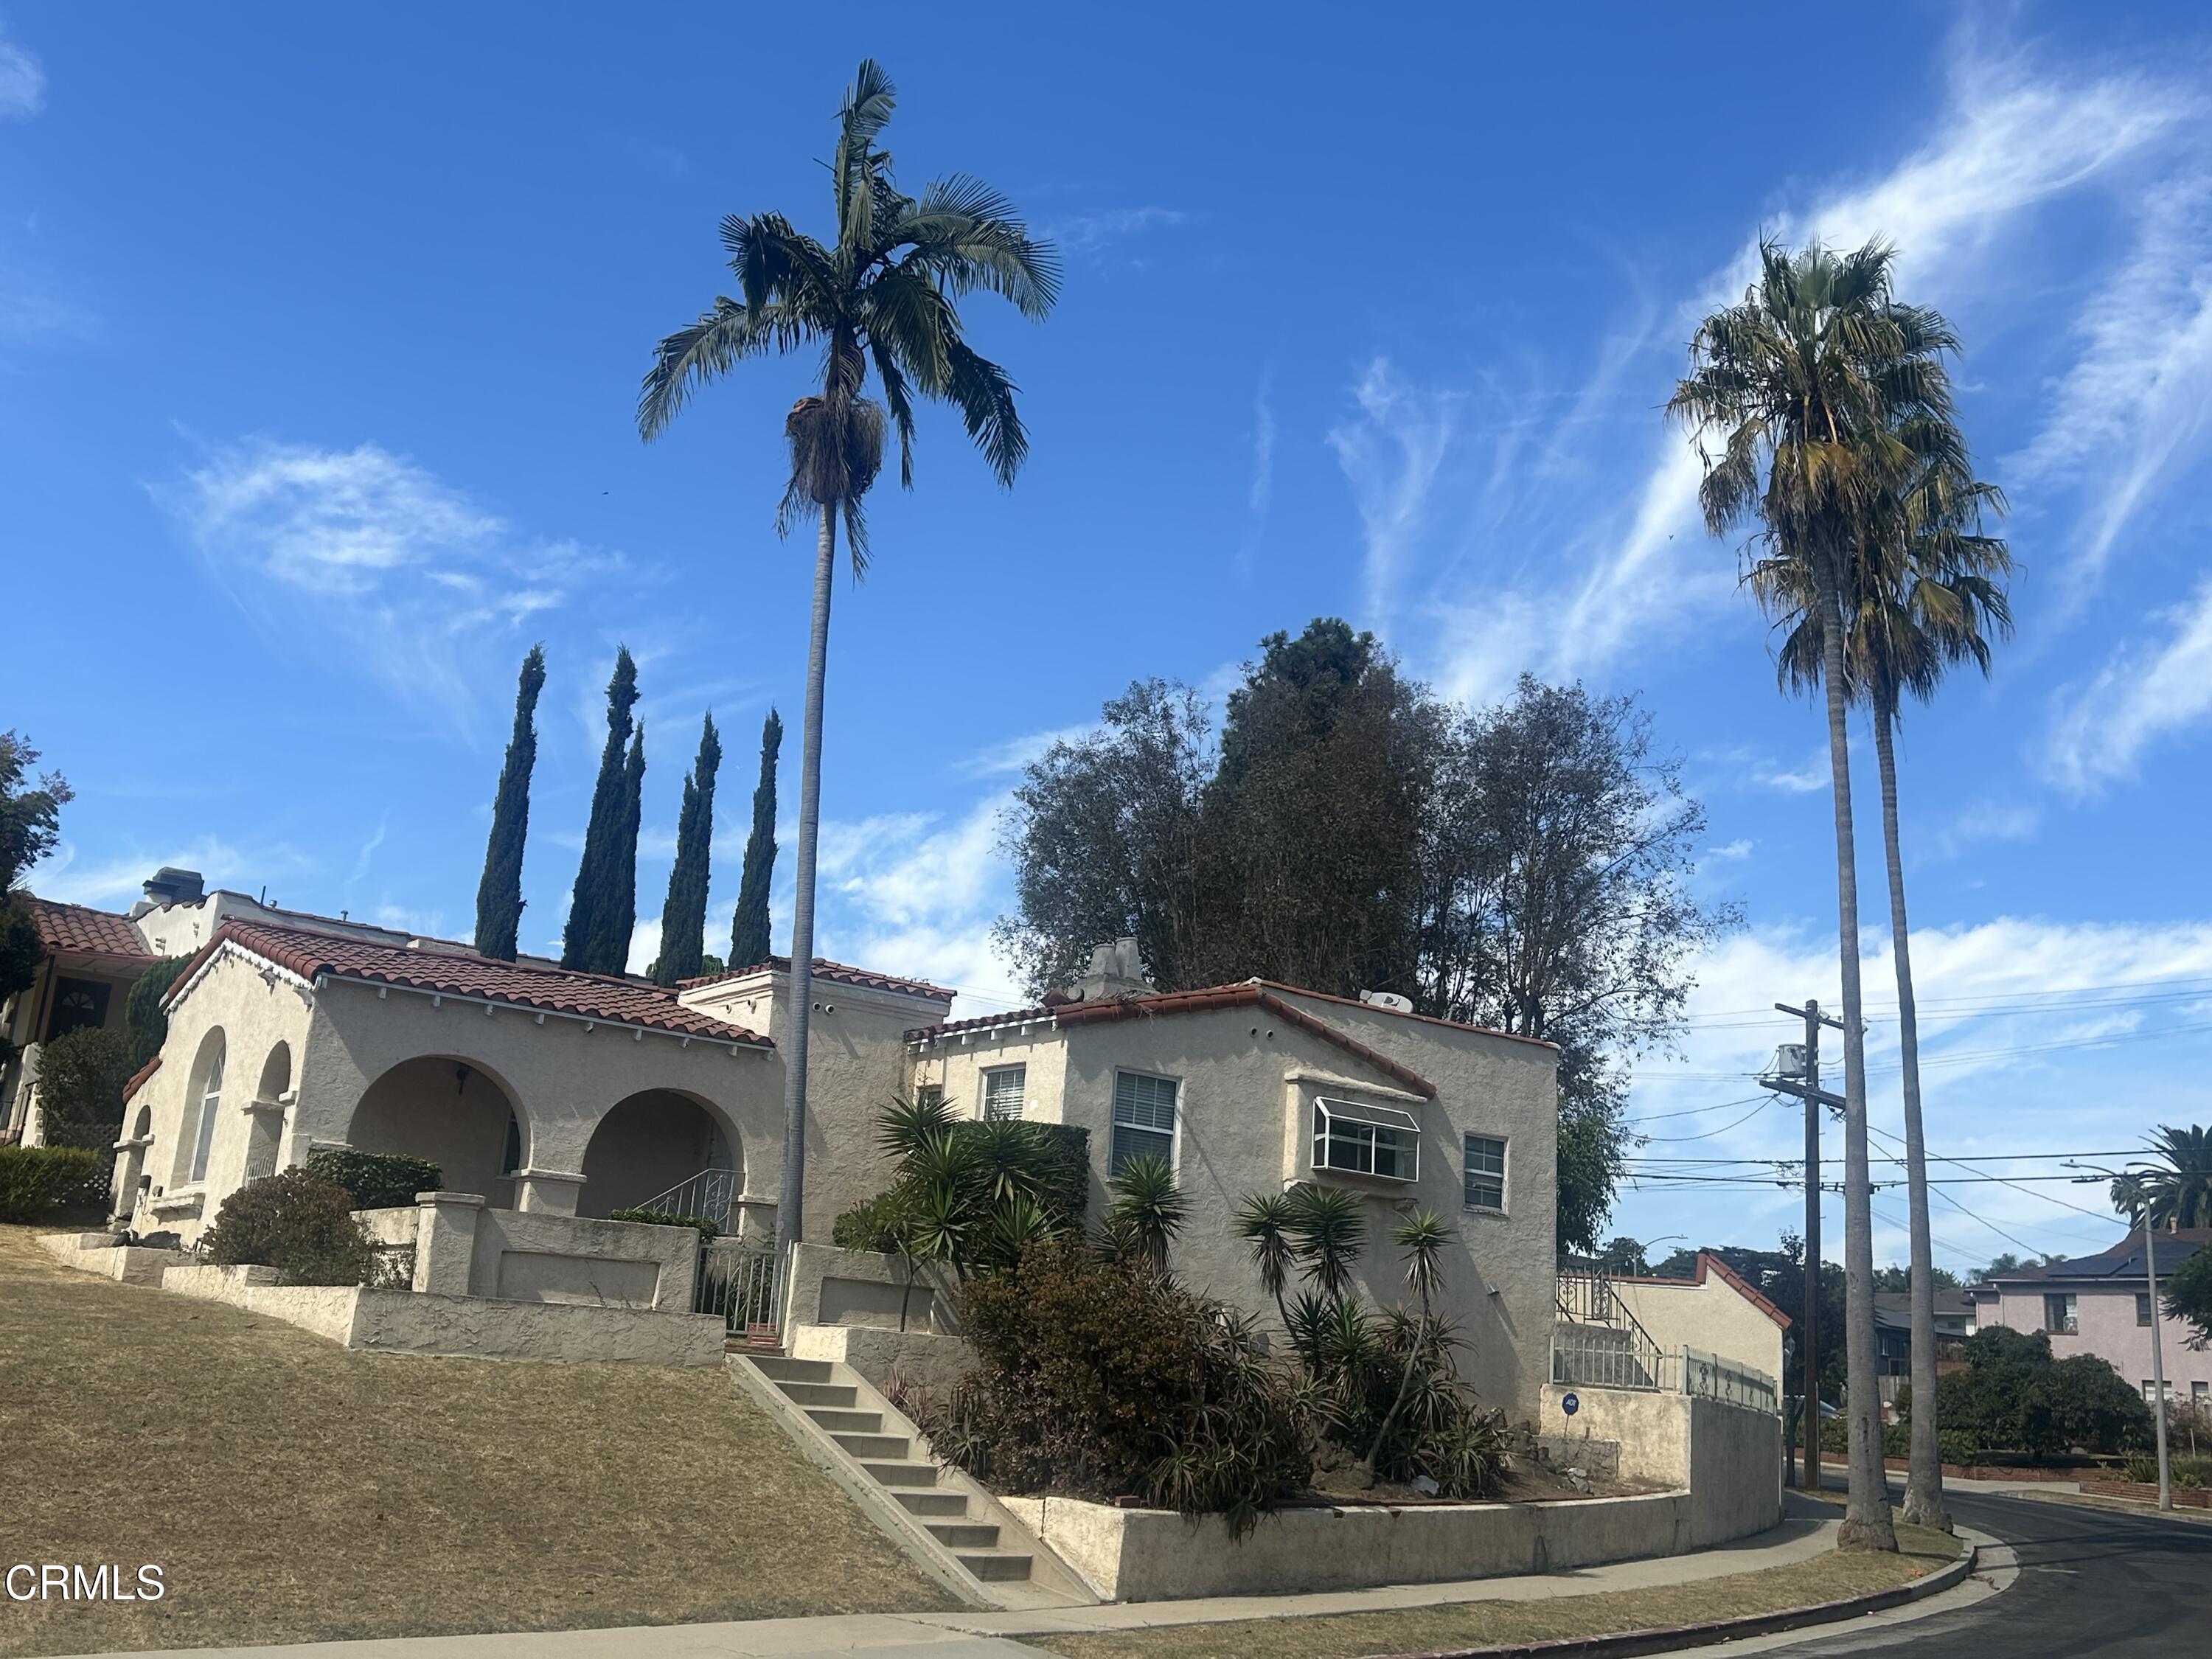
(454, 1110)
(265, 1114)
(650, 1141)
(209, 1064)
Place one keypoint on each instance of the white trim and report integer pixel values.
(1505, 1174)
(1336, 1080)
(1174, 1133)
(223, 952)
(931, 1038)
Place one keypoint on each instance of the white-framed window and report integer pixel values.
(2058, 1315)
(1484, 1169)
(2150, 1391)
(211, 1105)
(1359, 1138)
(2200, 1394)
(929, 1094)
(1003, 1086)
(1144, 1118)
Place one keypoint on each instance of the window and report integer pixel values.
(929, 1094)
(77, 1002)
(1485, 1173)
(210, 1103)
(2151, 1392)
(2200, 1394)
(1363, 1139)
(2058, 1316)
(1144, 1118)
(1002, 1091)
(2142, 1307)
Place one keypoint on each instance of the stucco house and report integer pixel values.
(92, 958)
(2101, 1304)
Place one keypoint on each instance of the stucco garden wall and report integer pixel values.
(1729, 1457)
(1147, 1555)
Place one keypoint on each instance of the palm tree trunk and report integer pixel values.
(791, 1194)
(1924, 1484)
(1866, 1515)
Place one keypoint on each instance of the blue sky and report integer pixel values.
(320, 335)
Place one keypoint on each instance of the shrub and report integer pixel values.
(297, 1223)
(377, 1180)
(81, 1079)
(142, 1018)
(1897, 1440)
(1357, 1366)
(1097, 1379)
(2139, 1470)
(665, 1218)
(2014, 1396)
(1958, 1447)
(36, 1180)
(873, 1225)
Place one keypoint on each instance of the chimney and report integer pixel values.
(170, 885)
(1117, 970)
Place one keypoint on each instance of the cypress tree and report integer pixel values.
(580, 946)
(499, 896)
(749, 937)
(618, 918)
(683, 917)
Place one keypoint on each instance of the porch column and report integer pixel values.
(446, 1241)
(547, 1191)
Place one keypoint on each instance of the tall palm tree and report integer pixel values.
(1925, 594)
(2178, 1188)
(880, 295)
(1803, 384)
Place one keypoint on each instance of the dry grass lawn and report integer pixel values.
(1831, 1578)
(293, 1490)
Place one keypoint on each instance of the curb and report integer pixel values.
(1669, 1639)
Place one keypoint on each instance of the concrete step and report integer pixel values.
(994, 1565)
(839, 1422)
(965, 1534)
(785, 1368)
(901, 1475)
(820, 1393)
(883, 1448)
(932, 1503)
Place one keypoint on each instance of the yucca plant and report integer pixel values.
(1149, 1207)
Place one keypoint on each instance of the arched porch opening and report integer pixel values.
(266, 1110)
(451, 1110)
(651, 1142)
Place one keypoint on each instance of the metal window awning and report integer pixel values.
(1358, 1111)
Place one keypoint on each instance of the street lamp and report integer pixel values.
(2137, 1197)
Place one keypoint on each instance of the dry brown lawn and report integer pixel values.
(1831, 1578)
(292, 1491)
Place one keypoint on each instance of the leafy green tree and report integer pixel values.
(882, 295)
(1803, 387)
(1624, 1255)
(598, 940)
(683, 917)
(80, 1077)
(2188, 1294)
(499, 894)
(30, 822)
(749, 934)
(1900, 1279)
(144, 1021)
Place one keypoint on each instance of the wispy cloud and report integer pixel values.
(2143, 694)
(116, 877)
(1089, 233)
(1391, 454)
(365, 549)
(1731, 852)
(1261, 493)
(1981, 823)
(22, 82)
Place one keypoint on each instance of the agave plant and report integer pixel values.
(1331, 1230)
(1268, 1221)
(1151, 1206)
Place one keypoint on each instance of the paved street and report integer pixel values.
(2092, 1581)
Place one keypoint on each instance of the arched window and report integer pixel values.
(210, 1103)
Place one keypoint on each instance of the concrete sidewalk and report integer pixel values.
(1808, 1531)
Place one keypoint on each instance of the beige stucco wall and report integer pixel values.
(856, 1065)
(1729, 1457)
(957, 1067)
(1247, 1082)
(1715, 1316)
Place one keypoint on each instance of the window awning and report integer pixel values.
(1382, 1117)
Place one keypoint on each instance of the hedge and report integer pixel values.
(666, 1219)
(300, 1224)
(35, 1180)
(378, 1181)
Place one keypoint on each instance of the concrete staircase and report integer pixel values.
(949, 1525)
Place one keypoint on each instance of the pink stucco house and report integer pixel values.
(2100, 1305)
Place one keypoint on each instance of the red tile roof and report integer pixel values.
(1252, 994)
(837, 973)
(139, 1077)
(1400, 1013)
(523, 985)
(80, 931)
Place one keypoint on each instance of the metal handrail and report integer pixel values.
(1587, 1303)
(710, 1195)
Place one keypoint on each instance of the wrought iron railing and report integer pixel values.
(1711, 1377)
(741, 1283)
(1596, 1342)
(711, 1195)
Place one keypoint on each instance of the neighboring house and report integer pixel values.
(1892, 1333)
(2101, 1304)
(1715, 1310)
(92, 959)
(1256, 1087)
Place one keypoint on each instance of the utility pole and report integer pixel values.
(1803, 1080)
(2139, 1197)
